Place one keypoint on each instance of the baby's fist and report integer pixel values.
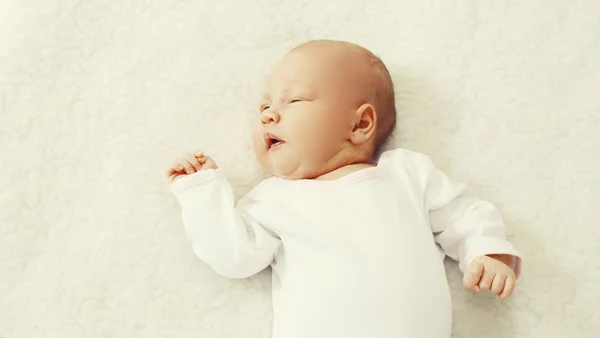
(491, 273)
(188, 164)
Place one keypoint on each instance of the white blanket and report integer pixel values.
(97, 97)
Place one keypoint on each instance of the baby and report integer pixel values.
(355, 245)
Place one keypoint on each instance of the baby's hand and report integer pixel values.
(188, 164)
(491, 273)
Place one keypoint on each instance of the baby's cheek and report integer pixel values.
(259, 149)
(260, 152)
(257, 136)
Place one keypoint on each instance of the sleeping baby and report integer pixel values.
(355, 243)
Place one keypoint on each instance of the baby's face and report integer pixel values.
(305, 115)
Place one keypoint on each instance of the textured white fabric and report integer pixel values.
(352, 257)
(98, 96)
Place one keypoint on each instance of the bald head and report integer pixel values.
(372, 79)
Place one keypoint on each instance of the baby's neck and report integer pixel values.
(345, 162)
(343, 171)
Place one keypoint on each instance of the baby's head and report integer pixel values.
(326, 104)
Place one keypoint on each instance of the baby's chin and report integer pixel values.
(287, 167)
(287, 170)
(285, 174)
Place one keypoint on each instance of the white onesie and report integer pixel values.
(356, 257)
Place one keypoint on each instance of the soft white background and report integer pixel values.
(97, 97)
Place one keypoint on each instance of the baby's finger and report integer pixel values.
(186, 165)
(173, 176)
(202, 160)
(198, 153)
(486, 280)
(498, 284)
(175, 166)
(509, 287)
(169, 172)
(193, 161)
(473, 274)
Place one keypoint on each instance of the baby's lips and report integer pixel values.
(270, 139)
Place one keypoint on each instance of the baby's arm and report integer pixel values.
(224, 236)
(470, 231)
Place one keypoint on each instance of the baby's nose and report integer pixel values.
(270, 116)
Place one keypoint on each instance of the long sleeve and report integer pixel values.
(464, 226)
(223, 235)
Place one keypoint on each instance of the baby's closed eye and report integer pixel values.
(297, 99)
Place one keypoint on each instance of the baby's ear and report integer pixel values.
(364, 124)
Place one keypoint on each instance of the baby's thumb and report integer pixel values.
(473, 274)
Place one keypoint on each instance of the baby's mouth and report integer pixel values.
(272, 141)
